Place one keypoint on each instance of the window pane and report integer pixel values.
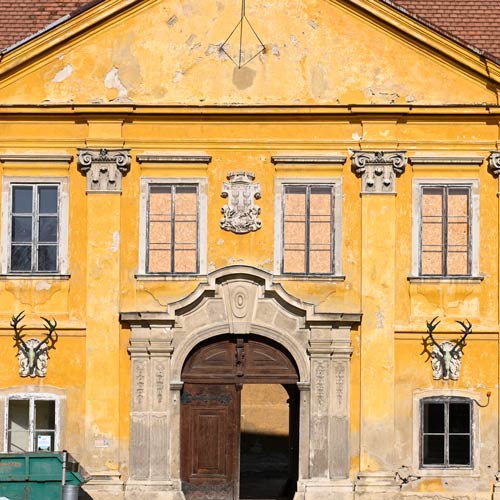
(433, 417)
(459, 450)
(294, 261)
(19, 414)
(294, 230)
(320, 229)
(185, 261)
(432, 231)
(433, 450)
(45, 415)
(432, 262)
(160, 200)
(47, 199)
(47, 258)
(159, 260)
(47, 230)
(20, 258)
(18, 426)
(22, 229)
(160, 232)
(458, 263)
(459, 415)
(22, 199)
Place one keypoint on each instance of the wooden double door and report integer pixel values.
(213, 377)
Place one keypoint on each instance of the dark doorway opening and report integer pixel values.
(268, 440)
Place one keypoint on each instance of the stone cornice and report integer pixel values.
(446, 160)
(174, 158)
(308, 159)
(36, 158)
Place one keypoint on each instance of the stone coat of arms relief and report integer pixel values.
(241, 212)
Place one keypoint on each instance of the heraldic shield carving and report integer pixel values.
(240, 212)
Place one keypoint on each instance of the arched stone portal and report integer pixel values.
(239, 301)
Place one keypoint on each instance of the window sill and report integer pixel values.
(449, 473)
(33, 276)
(169, 277)
(309, 277)
(446, 279)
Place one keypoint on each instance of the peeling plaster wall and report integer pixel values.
(170, 53)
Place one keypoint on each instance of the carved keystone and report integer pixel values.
(378, 169)
(104, 168)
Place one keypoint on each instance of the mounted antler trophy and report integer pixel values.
(446, 356)
(33, 353)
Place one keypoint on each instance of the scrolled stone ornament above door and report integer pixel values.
(241, 212)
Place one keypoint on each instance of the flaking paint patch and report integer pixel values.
(63, 74)
(312, 24)
(112, 81)
(42, 285)
(178, 76)
(116, 241)
(172, 21)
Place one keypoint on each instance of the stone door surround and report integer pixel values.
(239, 300)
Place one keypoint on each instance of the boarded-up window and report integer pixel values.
(173, 229)
(308, 229)
(445, 231)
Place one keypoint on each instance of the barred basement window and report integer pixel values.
(31, 424)
(172, 229)
(445, 231)
(446, 433)
(34, 228)
(308, 229)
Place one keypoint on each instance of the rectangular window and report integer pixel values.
(34, 228)
(308, 229)
(172, 229)
(446, 433)
(31, 425)
(445, 230)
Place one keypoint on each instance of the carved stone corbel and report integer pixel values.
(379, 169)
(104, 168)
(494, 166)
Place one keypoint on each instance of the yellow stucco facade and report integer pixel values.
(336, 78)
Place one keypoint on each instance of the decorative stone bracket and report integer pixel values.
(104, 168)
(494, 166)
(378, 170)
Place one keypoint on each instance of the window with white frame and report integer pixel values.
(175, 229)
(446, 216)
(446, 432)
(309, 222)
(35, 226)
(31, 423)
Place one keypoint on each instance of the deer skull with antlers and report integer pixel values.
(33, 353)
(446, 356)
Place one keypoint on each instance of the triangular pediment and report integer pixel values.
(168, 52)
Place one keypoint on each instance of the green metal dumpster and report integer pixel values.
(36, 476)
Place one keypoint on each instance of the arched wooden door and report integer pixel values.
(210, 409)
